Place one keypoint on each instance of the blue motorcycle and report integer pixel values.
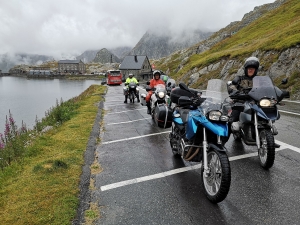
(199, 133)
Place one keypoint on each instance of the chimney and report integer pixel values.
(135, 58)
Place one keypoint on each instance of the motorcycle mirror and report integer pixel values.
(284, 81)
(169, 84)
(148, 82)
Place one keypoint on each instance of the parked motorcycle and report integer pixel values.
(199, 133)
(258, 113)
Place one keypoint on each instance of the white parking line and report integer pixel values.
(130, 121)
(127, 111)
(289, 112)
(291, 101)
(132, 138)
(184, 169)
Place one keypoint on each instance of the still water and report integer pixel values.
(28, 99)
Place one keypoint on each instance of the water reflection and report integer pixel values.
(30, 98)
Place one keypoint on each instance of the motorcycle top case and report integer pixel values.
(163, 116)
(176, 93)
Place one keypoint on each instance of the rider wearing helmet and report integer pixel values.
(242, 83)
(129, 80)
(153, 82)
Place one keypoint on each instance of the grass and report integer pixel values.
(43, 186)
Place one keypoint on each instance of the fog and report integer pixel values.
(69, 27)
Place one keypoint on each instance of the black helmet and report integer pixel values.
(156, 72)
(252, 62)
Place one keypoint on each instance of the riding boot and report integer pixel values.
(125, 99)
(149, 108)
(138, 98)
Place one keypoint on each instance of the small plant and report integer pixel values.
(12, 142)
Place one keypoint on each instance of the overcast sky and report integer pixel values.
(56, 27)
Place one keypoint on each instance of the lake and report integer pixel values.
(28, 99)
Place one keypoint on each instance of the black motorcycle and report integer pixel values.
(133, 91)
(258, 113)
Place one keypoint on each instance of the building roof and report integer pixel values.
(69, 61)
(133, 62)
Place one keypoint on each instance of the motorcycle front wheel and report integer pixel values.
(216, 182)
(266, 152)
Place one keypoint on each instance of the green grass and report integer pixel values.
(42, 187)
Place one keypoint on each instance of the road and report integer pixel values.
(142, 183)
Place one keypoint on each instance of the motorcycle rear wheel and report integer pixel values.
(266, 152)
(217, 182)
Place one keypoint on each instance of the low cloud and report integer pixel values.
(72, 26)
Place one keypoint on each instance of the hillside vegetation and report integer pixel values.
(276, 30)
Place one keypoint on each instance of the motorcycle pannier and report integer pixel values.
(176, 93)
(163, 116)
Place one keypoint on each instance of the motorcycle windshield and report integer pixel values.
(132, 84)
(262, 88)
(160, 88)
(214, 95)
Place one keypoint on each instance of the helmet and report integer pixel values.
(164, 78)
(252, 62)
(156, 72)
(130, 75)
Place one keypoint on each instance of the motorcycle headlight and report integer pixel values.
(214, 115)
(267, 103)
(161, 94)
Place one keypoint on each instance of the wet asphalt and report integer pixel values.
(142, 183)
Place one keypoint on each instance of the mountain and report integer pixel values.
(8, 61)
(120, 52)
(87, 56)
(270, 32)
(105, 56)
(157, 46)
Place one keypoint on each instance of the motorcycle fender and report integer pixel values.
(219, 148)
(217, 128)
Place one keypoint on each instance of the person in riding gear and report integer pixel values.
(131, 79)
(153, 82)
(242, 84)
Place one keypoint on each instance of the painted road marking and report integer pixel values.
(127, 111)
(184, 169)
(289, 112)
(132, 138)
(130, 121)
(291, 101)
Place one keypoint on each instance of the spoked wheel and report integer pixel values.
(216, 182)
(266, 152)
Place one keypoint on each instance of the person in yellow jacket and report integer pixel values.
(129, 80)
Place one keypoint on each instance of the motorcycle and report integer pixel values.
(199, 132)
(130, 91)
(258, 113)
(159, 97)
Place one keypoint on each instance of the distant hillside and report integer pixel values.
(105, 56)
(270, 32)
(87, 56)
(9, 61)
(120, 52)
(156, 46)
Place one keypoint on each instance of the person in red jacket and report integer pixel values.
(153, 82)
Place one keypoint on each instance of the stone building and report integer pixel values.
(71, 66)
(138, 65)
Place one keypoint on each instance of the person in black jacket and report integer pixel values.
(243, 84)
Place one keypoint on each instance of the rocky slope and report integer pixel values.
(105, 56)
(156, 46)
